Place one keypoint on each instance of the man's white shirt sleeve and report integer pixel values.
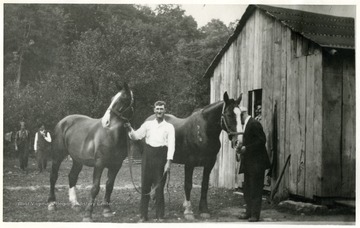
(48, 137)
(139, 133)
(35, 141)
(156, 135)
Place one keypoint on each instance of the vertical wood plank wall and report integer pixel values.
(331, 160)
(348, 129)
(310, 107)
(338, 168)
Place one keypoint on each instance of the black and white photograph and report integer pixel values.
(203, 113)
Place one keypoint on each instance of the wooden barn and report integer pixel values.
(300, 67)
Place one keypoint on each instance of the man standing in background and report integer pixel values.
(42, 147)
(22, 145)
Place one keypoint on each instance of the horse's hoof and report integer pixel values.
(205, 215)
(76, 208)
(87, 219)
(189, 216)
(108, 213)
(52, 206)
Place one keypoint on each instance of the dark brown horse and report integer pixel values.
(99, 143)
(197, 143)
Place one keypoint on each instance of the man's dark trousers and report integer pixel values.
(152, 173)
(23, 155)
(253, 187)
(41, 157)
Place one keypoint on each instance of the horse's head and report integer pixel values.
(121, 106)
(230, 118)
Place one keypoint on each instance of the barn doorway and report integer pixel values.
(255, 102)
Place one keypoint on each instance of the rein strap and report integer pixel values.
(119, 114)
(130, 160)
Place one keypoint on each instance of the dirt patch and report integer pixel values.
(25, 199)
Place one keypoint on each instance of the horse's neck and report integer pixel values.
(117, 131)
(116, 124)
(212, 115)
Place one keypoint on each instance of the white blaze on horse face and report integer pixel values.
(105, 120)
(238, 123)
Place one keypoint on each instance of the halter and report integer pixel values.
(119, 114)
(227, 129)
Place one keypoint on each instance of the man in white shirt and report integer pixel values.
(42, 147)
(156, 159)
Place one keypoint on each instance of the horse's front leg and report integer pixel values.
(112, 172)
(94, 191)
(203, 205)
(188, 213)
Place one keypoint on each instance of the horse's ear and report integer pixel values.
(118, 86)
(238, 100)
(125, 86)
(226, 97)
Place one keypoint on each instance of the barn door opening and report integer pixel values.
(255, 103)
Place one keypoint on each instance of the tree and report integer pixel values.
(81, 52)
(33, 35)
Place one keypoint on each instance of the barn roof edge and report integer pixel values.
(264, 8)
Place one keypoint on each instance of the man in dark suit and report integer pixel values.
(254, 162)
(22, 146)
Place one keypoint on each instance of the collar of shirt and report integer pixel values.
(246, 121)
(157, 133)
(161, 123)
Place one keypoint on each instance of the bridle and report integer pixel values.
(120, 114)
(223, 122)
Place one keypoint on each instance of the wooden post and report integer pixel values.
(273, 192)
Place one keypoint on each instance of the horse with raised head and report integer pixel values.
(197, 143)
(99, 143)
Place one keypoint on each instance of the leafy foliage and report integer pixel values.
(73, 56)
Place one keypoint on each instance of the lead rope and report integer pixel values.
(130, 159)
(167, 186)
(130, 164)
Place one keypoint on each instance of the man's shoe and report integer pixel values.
(253, 219)
(244, 216)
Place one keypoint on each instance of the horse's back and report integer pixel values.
(73, 134)
(75, 123)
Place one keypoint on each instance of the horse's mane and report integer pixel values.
(211, 107)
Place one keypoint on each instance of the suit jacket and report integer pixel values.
(255, 156)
